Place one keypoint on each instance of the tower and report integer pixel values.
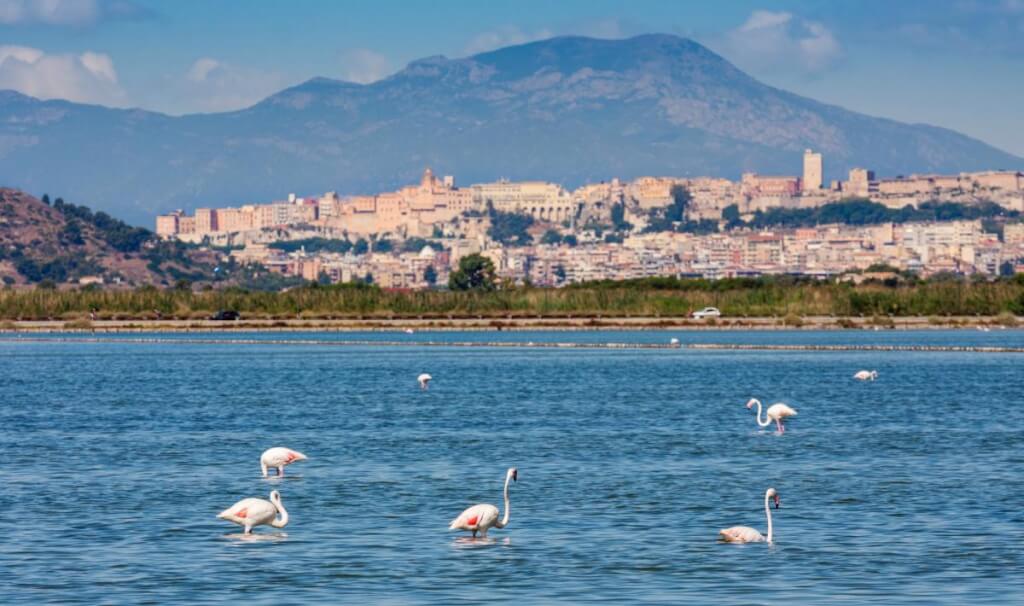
(812, 171)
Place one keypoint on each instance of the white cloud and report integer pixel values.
(211, 85)
(364, 66)
(770, 40)
(86, 78)
(509, 35)
(202, 69)
(74, 13)
(49, 12)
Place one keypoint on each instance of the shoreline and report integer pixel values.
(520, 324)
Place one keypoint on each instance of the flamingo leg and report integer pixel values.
(778, 422)
(280, 471)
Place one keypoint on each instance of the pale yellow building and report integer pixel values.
(812, 171)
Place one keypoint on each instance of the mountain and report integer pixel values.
(567, 109)
(64, 242)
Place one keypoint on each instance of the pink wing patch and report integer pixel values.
(241, 513)
(291, 457)
(472, 521)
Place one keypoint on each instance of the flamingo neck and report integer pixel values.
(283, 520)
(766, 421)
(504, 519)
(768, 512)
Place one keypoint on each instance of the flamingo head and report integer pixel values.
(513, 473)
(774, 495)
(275, 497)
(751, 403)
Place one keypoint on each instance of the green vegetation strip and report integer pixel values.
(516, 344)
(668, 298)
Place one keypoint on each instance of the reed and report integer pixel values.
(653, 298)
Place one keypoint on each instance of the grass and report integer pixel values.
(668, 298)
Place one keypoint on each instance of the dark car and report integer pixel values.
(225, 314)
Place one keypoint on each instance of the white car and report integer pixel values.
(707, 312)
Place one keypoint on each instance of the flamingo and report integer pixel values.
(424, 380)
(254, 512)
(745, 534)
(866, 375)
(673, 341)
(480, 518)
(409, 331)
(776, 412)
(279, 457)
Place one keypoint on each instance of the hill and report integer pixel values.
(568, 109)
(63, 242)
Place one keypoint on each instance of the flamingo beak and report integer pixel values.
(515, 476)
(778, 502)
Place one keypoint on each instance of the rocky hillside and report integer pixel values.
(568, 109)
(60, 242)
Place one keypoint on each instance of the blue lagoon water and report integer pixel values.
(118, 456)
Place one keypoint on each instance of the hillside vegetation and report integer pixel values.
(50, 243)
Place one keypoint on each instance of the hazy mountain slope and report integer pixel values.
(566, 109)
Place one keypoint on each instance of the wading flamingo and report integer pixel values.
(409, 331)
(776, 412)
(673, 341)
(279, 457)
(254, 512)
(424, 380)
(866, 375)
(480, 518)
(745, 534)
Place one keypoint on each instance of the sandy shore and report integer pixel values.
(492, 323)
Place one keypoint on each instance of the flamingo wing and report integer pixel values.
(780, 411)
(278, 456)
(475, 518)
(740, 534)
(250, 511)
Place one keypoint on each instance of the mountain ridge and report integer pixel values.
(569, 109)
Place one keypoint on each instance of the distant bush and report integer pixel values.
(1007, 319)
(793, 319)
(78, 325)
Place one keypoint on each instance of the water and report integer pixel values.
(908, 490)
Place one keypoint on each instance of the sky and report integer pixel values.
(952, 63)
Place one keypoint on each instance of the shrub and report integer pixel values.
(78, 325)
(793, 319)
(846, 323)
(1007, 319)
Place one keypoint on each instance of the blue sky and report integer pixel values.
(953, 63)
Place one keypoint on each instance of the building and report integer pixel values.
(543, 201)
(169, 225)
(861, 183)
(812, 171)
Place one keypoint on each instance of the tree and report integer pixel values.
(560, 272)
(430, 275)
(570, 240)
(368, 279)
(619, 217)
(509, 228)
(361, 247)
(383, 245)
(731, 216)
(475, 272)
(664, 219)
(46, 199)
(551, 237)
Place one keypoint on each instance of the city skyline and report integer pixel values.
(128, 53)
